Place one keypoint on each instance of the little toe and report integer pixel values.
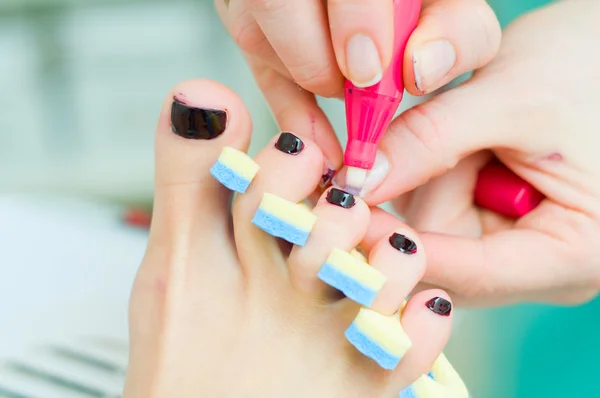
(427, 320)
(342, 222)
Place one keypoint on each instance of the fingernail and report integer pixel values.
(289, 143)
(440, 306)
(197, 123)
(226, 3)
(432, 61)
(326, 178)
(403, 244)
(377, 174)
(340, 198)
(363, 61)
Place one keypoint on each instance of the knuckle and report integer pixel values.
(424, 123)
(489, 26)
(247, 34)
(321, 79)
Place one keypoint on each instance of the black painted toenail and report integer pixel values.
(403, 244)
(340, 198)
(326, 178)
(289, 143)
(197, 123)
(440, 306)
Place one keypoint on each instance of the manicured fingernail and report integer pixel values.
(432, 62)
(197, 123)
(403, 244)
(289, 143)
(363, 61)
(340, 198)
(440, 306)
(377, 174)
(326, 178)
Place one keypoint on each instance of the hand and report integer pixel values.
(536, 108)
(299, 48)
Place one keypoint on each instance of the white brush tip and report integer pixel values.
(355, 178)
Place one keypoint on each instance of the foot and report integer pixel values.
(222, 307)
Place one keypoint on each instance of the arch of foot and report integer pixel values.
(377, 336)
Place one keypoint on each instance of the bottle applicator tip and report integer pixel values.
(355, 179)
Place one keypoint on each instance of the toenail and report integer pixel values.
(379, 337)
(197, 123)
(340, 198)
(283, 219)
(234, 169)
(289, 143)
(440, 306)
(352, 276)
(403, 244)
(326, 178)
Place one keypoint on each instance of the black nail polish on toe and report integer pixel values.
(289, 143)
(440, 306)
(197, 123)
(340, 198)
(403, 244)
(326, 178)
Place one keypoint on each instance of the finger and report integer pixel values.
(247, 34)
(296, 109)
(298, 30)
(431, 138)
(362, 32)
(507, 263)
(453, 37)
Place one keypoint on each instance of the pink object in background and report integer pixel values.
(370, 110)
(500, 190)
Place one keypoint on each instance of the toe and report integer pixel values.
(342, 222)
(427, 320)
(290, 169)
(198, 119)
(398, 258)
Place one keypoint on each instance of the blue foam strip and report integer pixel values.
(370, 349)
(229, 178)
(280, 229)
(408, 392)
(350, 287)
(430, 374)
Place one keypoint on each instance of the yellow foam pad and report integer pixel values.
(356, 269)
(425, 387)
(445, 374)
(385, 331)
(305, 205)
(239, 162)
(289, 212)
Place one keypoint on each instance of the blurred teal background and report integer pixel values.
(539, 350)
(81, 83)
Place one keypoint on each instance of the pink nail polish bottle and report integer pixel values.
(500, 190)
(370, 110)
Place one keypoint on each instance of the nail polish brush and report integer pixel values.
(369, 110)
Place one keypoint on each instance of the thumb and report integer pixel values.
(431, 138)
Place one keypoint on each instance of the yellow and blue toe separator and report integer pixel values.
(284, 219)
(352, 276)
(234, 169)
(441, 382)
(379, 337)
